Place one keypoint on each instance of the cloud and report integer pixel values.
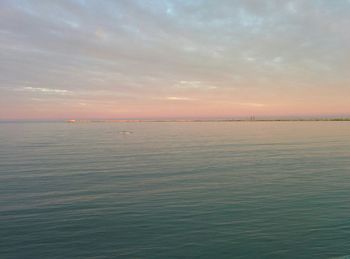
(45, 90)
(174, 98)
(193, 85)
(189, 84)
(257, 105)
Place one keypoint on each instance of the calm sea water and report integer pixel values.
(202, 190)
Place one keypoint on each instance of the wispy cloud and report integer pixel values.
(175, 98)
(45, 90)
(194, 85)
(257, 105)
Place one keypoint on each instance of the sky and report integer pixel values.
(80, 59)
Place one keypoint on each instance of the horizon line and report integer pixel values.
(217, 119)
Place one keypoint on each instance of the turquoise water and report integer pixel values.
(189, 190)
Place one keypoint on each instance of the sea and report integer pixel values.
(175, 190)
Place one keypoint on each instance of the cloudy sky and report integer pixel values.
(174, 58)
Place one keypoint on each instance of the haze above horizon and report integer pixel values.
(173, 59)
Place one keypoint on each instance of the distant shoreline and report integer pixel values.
(209, 120)
(175, 120)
